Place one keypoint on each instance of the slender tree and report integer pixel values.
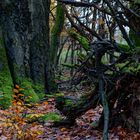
(55, 44)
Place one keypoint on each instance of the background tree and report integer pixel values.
(55, 44)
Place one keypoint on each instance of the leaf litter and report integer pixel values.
(19, 128)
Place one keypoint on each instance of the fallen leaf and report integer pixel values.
(15, 90)
(63, 129)
(17, 86)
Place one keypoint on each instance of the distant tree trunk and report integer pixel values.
(55, 33)
(25, 27)
(55, 43)
(72, 58)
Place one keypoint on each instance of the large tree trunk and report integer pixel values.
(15, 28)
(25, 27)
(39, 44)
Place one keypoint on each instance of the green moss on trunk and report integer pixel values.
(5, 80)
(29, 92)
(56, 31)
(82, 40)
(33, 93)
(55, 43)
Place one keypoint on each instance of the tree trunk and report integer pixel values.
(15, 28)
(25, 27)
(39, 44)
(55, 43)
(5, 78)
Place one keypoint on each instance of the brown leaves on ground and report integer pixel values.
(15, 126)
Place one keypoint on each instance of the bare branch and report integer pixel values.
(85, 4)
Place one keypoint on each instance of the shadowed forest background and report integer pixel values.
(70, 69)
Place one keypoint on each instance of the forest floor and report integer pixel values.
(15, 126)
(35, 122)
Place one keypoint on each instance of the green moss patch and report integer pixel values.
(5, 80)
(52, 116)
(82, 40)
(29, 92)
(39, 90)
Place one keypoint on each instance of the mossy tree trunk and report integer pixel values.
(55, 44)
(5, 78)
(55, 32)
(15, 28)
(25, 28)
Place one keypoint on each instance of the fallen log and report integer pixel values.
(123, 99)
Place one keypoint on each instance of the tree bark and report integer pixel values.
(5, 78)
(15, 21)
(25, 27)
(39, 45)
(55, 44)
